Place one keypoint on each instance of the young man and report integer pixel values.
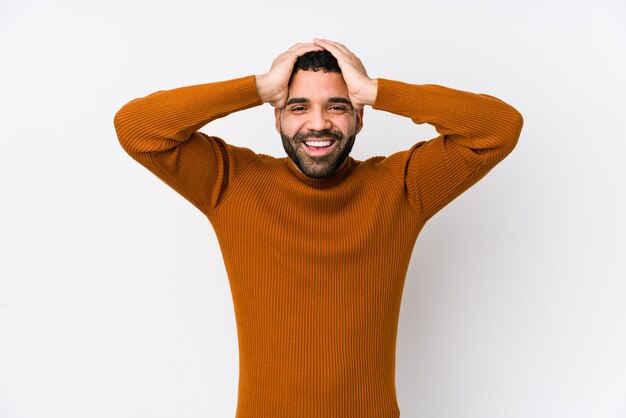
(317, 244)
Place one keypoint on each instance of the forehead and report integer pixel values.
(317, 85)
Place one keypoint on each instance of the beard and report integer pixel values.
(318, 166)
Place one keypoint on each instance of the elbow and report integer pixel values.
(517, 124)
(123, 124)
(511, 130)
(118, 123)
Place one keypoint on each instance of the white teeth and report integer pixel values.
(318, 144)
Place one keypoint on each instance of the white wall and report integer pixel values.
(113, 297)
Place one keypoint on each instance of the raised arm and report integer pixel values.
(160, 131)
(477, 132)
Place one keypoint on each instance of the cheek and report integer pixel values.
(290, 126)
(348, 126)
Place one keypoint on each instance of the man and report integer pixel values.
(317, 244)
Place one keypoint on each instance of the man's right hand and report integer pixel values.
(272, 87)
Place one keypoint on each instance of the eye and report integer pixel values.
(338, 108)
(297, 109)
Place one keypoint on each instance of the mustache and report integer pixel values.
(325, 133)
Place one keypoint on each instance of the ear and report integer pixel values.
(359, 120)
(277, 113)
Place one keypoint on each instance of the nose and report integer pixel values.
(318, 120)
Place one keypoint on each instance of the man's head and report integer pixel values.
(318, 125)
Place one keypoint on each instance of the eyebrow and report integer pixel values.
(339, 100)
(295, 100)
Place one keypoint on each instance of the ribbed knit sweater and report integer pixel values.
(317, 266)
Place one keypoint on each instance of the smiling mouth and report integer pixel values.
(319, 147)
(319, 144)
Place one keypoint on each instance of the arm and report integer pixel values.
(477, 131)
(160, 130)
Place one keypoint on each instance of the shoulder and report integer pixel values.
(382, 169)
(394, 163)
(244, 159)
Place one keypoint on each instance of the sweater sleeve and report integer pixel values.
(160, 131)
(476, 132)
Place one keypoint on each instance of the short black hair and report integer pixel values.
(316, 61)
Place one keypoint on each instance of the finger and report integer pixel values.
(336, 52)
(300, 45)
(339, 53)
(343, 55)
(303, 48)
(334, 45)
(295, 52)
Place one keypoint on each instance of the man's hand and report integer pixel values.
(361, 89)
(272, 87)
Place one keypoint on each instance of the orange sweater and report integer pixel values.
(317, 266)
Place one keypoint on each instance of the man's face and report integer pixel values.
(318, 125)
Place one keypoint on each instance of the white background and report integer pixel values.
(113, 298)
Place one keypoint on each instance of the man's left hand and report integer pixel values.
(361, 89)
